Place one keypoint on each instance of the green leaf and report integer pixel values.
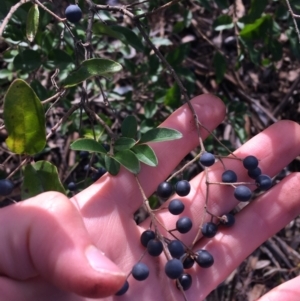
(223, 22)
(27, 61)
(176, 56)
(173, 97)
(160, 134)
(129, 127)
(89, 145)
(90, 68)
(60, 58)
(124, 143)
(276, 50)
(32, 23)
(130, 37)
(256, 9)
(129, 160)
(145, 154)
(150, 109)
(24, 119)
(220, 66)
(124, 34)
(258, 29)
(254, 54)
(101, 29)
(40, 177)
(111, 165)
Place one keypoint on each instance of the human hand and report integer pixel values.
(44, 239)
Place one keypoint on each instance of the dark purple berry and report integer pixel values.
(154, 247)
(227, 220)
(164, 190)
(207, 159)
(176, 207)
(72, 186)
(229, 176)
(6, 187)
(184, 224)
(146, 237)
(209, 229)
(250, 162)
(188, 262)
(176, 248)
(84, 154)
(264, 182)
(140, 271)
(124, 289)
(182, 188)
(174, 268)
(98, 174)
(73, 13)
(185, 280)
(254, 173)
(204, 259)
(242, 193)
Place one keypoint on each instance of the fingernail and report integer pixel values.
(99, 262)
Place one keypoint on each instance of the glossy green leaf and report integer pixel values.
(160, 134)
(129, 160)
(220, 66)
(32, 23)
(90, 68)
(124, 143)
(40, 177)
(145, 154)
(90, 145)
(24, 119)
(129, 127)
(111, 165)
(130, 37)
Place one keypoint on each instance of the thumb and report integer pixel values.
(46, 236)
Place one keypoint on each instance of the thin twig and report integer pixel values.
(102, 122)
(9, 15)
(66, 116)
(294, 18)
(49, 11)
(161, 8)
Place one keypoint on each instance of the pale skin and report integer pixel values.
(44, 240)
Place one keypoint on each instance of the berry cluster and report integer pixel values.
(180, 257)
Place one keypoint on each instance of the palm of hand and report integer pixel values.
(107, 209)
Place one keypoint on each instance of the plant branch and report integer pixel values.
(9, 15)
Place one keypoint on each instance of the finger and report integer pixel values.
(123, 190)
(273, 147)
(288, 291)
(33, 289)
(254, 224)
(46, 236)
